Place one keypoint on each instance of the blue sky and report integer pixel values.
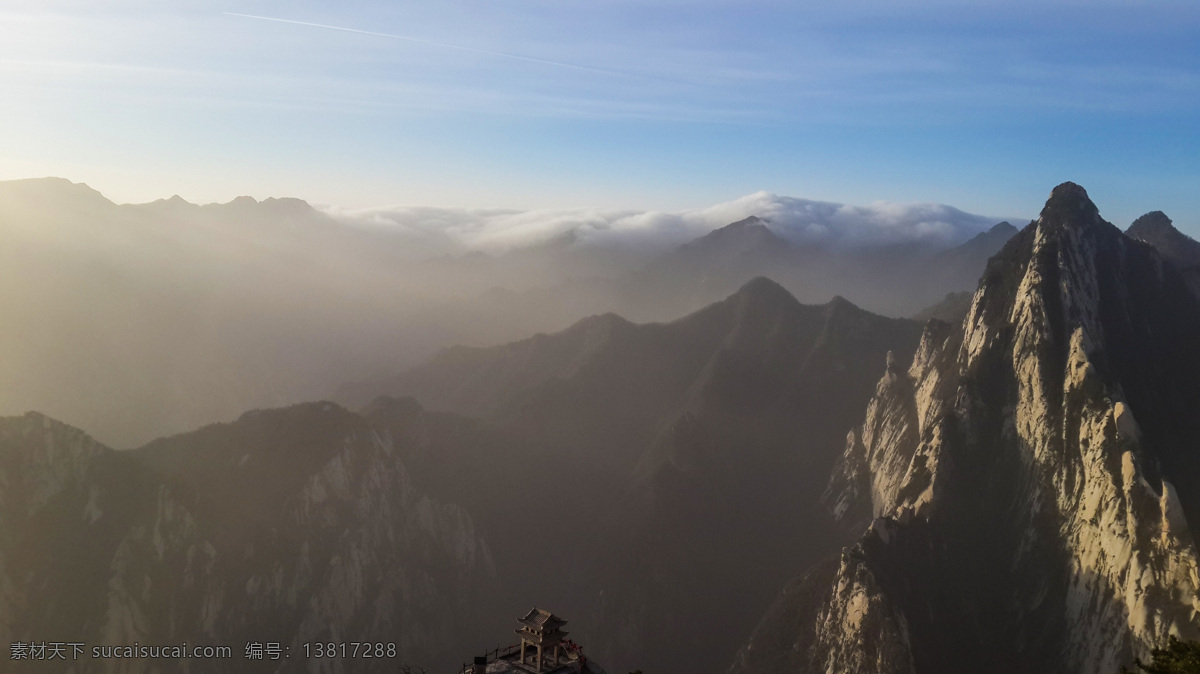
(656, 104)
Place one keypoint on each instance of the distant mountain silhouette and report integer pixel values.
(959, 269)
(1182, 251)
(952, 309)
(895, 279)
(1156, 229)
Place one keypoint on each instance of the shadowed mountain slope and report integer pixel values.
(289, 526)
(667, 438)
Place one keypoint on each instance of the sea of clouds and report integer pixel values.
(798, 220)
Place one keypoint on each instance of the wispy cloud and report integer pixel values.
(458, 47)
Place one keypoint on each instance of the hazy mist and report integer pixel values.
(135, 321)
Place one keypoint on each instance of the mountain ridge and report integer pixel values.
(131, 546)
(756, 297)
(721, 416)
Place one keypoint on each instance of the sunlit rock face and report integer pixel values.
(1031, 474)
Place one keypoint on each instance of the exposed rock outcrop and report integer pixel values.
(1032, 473)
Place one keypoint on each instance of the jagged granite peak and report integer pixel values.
(1038, 457)
(1069, 206)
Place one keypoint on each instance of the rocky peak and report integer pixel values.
(745, 223)
(1154, 223)
(761, 302)
(839, 308)
(763, 289)
(602, 324)
(1156, 229)
(1069, 212)
(988, 242)
(1031, 458)
(738, 237)
(1049, 268)
(751, 226)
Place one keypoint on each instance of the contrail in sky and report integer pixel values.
(444, 45)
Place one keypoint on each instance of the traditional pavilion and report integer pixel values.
(542, 629)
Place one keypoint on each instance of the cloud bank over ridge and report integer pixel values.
(801, 221)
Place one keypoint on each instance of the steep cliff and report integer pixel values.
(1030, 476)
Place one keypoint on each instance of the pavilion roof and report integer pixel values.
(541, 620)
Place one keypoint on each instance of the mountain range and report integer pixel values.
(142, 320)
(760, 485)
